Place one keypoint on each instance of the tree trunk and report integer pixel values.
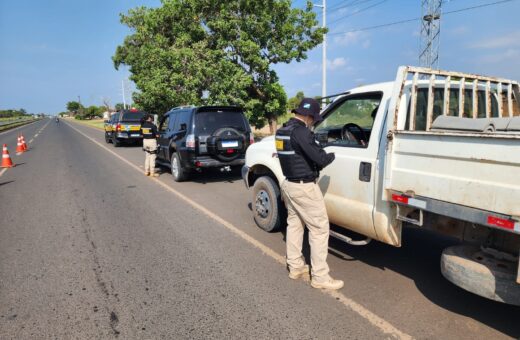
(272, 125)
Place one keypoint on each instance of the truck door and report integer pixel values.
(348, 183)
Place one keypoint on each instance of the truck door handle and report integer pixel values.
(365, 171)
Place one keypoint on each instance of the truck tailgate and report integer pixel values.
(472, 170)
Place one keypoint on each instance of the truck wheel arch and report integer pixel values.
(258, 171)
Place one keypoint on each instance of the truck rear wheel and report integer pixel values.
(268, 209)
(477, 272)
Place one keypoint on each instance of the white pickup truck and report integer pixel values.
(434, 150)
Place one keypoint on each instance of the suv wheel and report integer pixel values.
(178, 172)
(107, 138)
(268, 209)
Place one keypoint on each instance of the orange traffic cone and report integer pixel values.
(24, 146)
(19, 146)
(6, 159)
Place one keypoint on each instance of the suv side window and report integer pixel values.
(183, 117)
(164, 124)
(115, 118)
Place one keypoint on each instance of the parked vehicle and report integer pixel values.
(124, 127)
(432, 150)
(195, 138)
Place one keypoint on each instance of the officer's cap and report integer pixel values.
(309, 107)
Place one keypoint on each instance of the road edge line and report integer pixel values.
(375, 320)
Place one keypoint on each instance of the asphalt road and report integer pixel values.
(91, 248)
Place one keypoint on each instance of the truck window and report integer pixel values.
(343, 124)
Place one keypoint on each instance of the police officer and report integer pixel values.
(301, 159)
(149, 131)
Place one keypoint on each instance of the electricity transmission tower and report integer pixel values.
(430, 33)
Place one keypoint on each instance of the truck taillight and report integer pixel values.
(190, 142)
(251, 138)
(118, 127)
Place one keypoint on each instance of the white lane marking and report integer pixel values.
(2, 172)
(36, 135)
(375, 320)
(31, 141)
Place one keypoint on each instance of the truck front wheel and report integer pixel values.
(268, 209)
(475, 271)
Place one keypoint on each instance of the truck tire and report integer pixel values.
(269, 211)
(477, 272)
(116, 142)
(107, 138)
(179, 174)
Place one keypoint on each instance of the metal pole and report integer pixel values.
(324, 75)
(323, 6)
(124, 98)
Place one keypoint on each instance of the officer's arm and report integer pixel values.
(154, 131)
(311, 149)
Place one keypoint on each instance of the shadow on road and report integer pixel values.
(419, 260)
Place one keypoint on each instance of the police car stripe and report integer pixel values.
(286, 152)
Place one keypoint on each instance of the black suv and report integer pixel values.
(193, 138)
(124, 126)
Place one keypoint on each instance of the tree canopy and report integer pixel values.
(215, 52)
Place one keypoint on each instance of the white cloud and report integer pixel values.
(336, 63)
(511, 40)
(352, 38)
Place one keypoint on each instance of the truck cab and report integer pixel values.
(433, 150)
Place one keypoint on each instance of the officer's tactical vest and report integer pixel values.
(146, 130)
(294, 165)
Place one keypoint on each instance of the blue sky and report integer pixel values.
(54, 50)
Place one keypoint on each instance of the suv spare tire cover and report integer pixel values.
(223, 134)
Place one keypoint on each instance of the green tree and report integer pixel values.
(293, 102)
(74, 107)
(119, 107)
(222, 48)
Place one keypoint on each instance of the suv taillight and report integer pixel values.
(190, 142)
(251, 138)
(118, 127)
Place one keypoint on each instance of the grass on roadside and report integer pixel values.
(95, 123)
(12, 126)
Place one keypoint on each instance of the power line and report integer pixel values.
(357, 12)
(369, 28)
(341, 6)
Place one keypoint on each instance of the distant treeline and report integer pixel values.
(13, 113)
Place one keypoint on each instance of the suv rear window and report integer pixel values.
(132, 116)
(209, 122)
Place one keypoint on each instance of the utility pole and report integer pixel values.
(124, 97)
(323, 6)
(430, 33)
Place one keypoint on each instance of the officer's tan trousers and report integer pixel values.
(149, 160)
(306, 207)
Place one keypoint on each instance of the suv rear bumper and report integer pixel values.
(129, 135)
(208, 162)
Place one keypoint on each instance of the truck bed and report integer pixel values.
(474, 170)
